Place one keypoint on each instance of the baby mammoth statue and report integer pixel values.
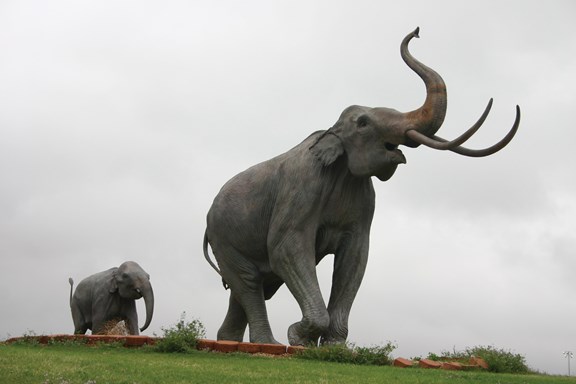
(111, 295)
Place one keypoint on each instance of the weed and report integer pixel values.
(29, 337)
(498, 360)
(349, 353)
(182, 337)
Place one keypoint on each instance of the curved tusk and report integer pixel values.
(493, 149)
(442, 144)
(496, 147)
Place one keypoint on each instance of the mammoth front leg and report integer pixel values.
(130, 316)
(295, 264)
(349, 266)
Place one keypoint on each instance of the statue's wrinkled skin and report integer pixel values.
(271, 224)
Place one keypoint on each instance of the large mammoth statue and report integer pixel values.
(271, 224)
(111, 295)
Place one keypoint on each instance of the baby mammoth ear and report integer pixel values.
(112, 284)
(327, 148)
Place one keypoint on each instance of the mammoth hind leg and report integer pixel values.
(247, 304)
(247, 307)
(235, 322)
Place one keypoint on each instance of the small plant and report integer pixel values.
(351, 354)
(29, 337)
(498, 360)
(182, 337)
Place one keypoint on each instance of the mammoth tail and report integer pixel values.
(207, 256)
(71, 281)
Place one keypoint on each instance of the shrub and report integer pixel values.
(498, 360)
(349, 353)
(182, 337)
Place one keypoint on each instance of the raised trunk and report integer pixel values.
(429, 117)
(148, 296)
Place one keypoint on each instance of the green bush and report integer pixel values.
(182, 337)
(498, 360)
(351, 354)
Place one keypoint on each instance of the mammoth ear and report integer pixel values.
(112, 285)
(327, 148)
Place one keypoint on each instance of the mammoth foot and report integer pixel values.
(232, 331)
(235, 334)
(299, 334)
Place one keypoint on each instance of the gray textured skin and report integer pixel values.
(111, 295)
(272, 223)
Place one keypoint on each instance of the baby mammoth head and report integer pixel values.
(131, 281)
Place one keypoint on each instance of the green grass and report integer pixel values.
(71, 364)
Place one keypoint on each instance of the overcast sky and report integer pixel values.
(121, 120)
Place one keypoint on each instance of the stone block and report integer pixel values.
(293, 349)
(65, 338)
(95, 339)
(249, 347)
(88, 339)
(135, 341)
(402, 363)
(452, 366)
(426, 363)
(478, 361)
(273, 349)
(226, 346)
(202, 344)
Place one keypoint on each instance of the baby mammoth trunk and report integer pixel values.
(148, 296)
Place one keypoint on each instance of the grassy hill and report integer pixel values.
(70, 364)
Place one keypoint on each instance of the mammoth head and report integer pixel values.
(370, 137)
(131, 282)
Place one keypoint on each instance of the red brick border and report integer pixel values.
(453, 365)
(426, 363)
(249, 348)
(403, 363)
(292, 349)
(273, 349)
(205, 344)
(226, 346)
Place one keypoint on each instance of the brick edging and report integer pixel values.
(452, 365)
(227, 346)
